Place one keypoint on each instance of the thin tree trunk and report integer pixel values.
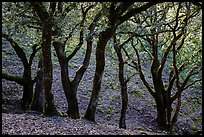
(124, 106)
(124, 93)
(123, 84)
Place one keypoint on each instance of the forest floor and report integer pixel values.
(140, 116)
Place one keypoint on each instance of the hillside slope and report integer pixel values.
(35, 124)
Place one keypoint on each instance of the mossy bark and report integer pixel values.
(45, 17)
(49, 107)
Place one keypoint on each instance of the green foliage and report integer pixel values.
(152, 102)
(114, 98)
(195, 119)
(105, 110)
(62, 114)
(195, 128)
(137, 93)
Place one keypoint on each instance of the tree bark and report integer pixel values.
(71, 87)
(49, 107)
(37, 101)
(26, 81)
(161, 114)
(116, 17)
(100, 63)
(123, 84)
(70, 94)
(27, 88)
(47, 69)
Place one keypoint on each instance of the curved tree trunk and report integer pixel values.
(70, 87)
(117, 15)
(124, 93)
(70, 94)
(26, 80)
(123, 84)
(100, 63)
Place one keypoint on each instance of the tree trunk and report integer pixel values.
(124, 95)
(100, 63)
(27, 88)
(73, 109)
(69, 91)
(70, 87)
(123, 84)
(161, 114)
(37, 101)
(49, 107)
(160, 99)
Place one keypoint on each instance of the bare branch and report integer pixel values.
(191, 84)
(134, 11)
(172, 77)
(19, 51)
(141, 73)
(35, 50)
(182, 87)
(70, 34)
(9, 77)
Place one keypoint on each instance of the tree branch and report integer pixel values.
(172, 77)
(84, 13)
(19, 51)
(191, 84)
(35, 50)
(134, 11)
(41, 11)
(182, 87)
(9, 77)
(84, 66)
(141, 73)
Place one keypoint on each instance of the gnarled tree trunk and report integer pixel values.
(100, 63)
(72, 110)
(49, 107)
